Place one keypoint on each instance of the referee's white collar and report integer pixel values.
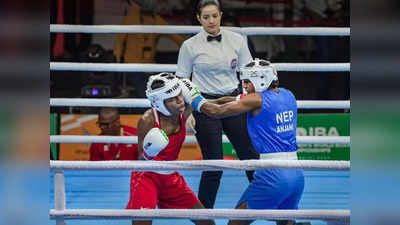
(205, 33)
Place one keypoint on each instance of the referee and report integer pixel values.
(211, 58)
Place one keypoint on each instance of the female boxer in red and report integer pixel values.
(161, 133)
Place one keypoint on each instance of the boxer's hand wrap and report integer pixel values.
(191, 94)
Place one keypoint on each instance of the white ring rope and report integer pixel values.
(205, 165)
(236, 214)
(153, 67)
(113, 67)
(144, 103)
(318, 104)
(170, 29)
(301, 31)
(188, 139)
(101, 102)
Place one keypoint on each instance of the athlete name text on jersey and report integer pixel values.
(285, 117)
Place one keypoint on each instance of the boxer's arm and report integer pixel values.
(246, 104)
(226, 99)
(144, 125)
(222, 100)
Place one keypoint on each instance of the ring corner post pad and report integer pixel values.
(59, 194)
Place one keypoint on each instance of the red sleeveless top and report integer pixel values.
(171, 152)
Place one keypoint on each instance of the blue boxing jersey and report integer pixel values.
(273, 129)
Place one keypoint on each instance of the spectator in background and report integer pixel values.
(141, 48)
(230, 20)
(110, 125)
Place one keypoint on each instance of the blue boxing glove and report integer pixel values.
(191, 94)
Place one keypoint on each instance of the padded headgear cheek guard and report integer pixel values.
(260, 73)
(171, 88)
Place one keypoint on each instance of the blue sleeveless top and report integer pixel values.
(273, 129)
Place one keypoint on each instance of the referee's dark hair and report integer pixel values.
(204, 3)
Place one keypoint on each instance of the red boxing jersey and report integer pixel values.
(165, 190)
(171, 151)
(105, 151)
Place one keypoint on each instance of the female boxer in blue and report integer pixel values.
(272, 117)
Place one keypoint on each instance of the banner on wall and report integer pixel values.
(324, 125)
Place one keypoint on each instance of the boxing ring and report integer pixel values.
(101, 177)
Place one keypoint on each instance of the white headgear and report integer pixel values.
(260, 73)
(170, 89)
